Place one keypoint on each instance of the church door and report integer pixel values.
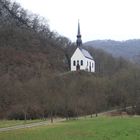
(78, 67)
(90, 68)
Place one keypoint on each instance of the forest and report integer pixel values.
(35, 77)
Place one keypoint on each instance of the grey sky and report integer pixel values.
(99, 19)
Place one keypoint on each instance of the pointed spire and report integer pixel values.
(78, 28)
(78, 41)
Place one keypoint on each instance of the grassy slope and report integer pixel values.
(90, 129)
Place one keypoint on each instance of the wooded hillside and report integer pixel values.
(129, 49)
(34, 77)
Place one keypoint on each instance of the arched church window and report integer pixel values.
(74, 63)
(81, 62)
(77, 62)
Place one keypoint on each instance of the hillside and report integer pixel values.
(28, 47)
(129, 49)
(35, 81)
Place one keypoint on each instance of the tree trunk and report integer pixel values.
(51, 117)
(67, 116)
(43, 116)
(96, 113)
(25, 116)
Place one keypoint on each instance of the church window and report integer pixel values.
(81, 62)
(74, 63)
(77, 62)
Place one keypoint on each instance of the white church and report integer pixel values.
(81, 58)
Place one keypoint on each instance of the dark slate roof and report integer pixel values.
(86, 53)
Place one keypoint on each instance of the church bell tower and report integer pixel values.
(79, 40)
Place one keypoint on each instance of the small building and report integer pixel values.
(81, 58)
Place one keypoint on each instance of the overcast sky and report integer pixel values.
(99, 19)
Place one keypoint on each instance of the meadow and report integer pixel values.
(100, 128)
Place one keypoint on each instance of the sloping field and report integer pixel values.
(102, 128)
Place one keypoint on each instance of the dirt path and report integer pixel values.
(30, 125)
(46, 122)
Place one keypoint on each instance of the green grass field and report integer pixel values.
(102, 128)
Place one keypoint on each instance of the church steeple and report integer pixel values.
(78, 41)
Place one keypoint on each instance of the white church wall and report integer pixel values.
(88, 64)
(77, 56)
